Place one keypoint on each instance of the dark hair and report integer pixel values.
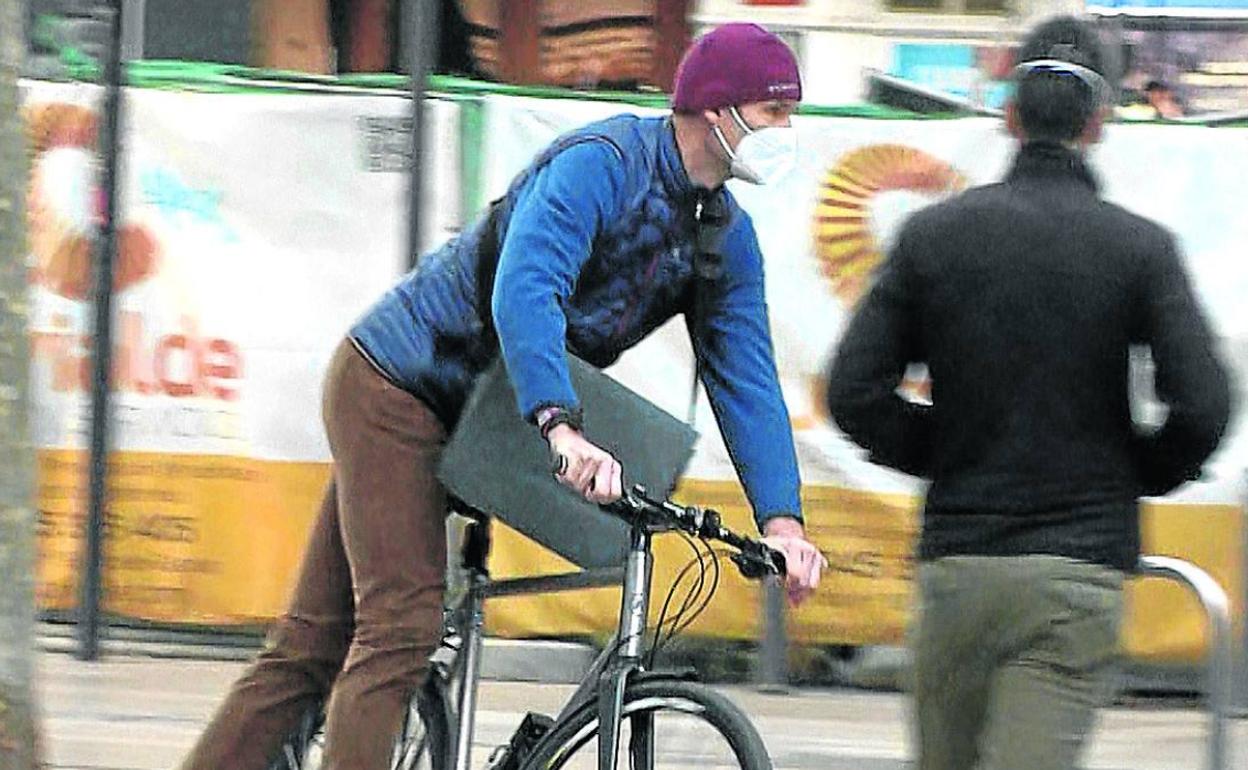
(1056, 106)
(1155, 85)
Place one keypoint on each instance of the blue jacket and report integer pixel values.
(594, 244)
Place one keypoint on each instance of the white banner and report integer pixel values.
(255, 229)
(257, 226)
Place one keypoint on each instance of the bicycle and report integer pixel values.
(621, 690)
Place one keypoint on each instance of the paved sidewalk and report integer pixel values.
(127, 713)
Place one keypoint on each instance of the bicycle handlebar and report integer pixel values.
(753, 558)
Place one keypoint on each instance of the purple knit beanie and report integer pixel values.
(735, 64)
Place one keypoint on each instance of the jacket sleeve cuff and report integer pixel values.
(762, 518)
(532, 415)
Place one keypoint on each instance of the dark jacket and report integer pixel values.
(593, 247)
(1023, 298)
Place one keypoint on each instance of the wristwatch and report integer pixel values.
(549, 417)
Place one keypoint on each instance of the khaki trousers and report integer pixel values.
(1013, 656)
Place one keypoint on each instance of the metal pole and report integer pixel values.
(474, 641)
(18, 707)
(773, 653)
(422, 32)
(1241, 689)
(102, 346)
(1218, 681)
(132, 36)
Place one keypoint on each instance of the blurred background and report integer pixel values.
(264, 198)
(1194, 51)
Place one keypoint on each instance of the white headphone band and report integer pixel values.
(1090, 77)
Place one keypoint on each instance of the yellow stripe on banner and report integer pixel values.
(217, 541)
(866, 595)
(1165, 622)
(190, 538)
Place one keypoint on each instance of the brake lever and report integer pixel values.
(777, 561)
(759, 561)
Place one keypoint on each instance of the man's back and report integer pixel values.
(1024, 298)
(1029, 300)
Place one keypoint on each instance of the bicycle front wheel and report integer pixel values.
(666, 724)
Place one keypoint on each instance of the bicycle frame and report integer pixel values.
(608, 675)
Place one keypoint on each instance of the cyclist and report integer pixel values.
(613, 229)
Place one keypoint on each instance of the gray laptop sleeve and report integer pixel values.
(498, 464)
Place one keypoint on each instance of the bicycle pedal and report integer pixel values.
(516, 752)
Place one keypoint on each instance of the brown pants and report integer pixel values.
(367, 610)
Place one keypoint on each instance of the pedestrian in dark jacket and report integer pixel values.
(613, 230)
(1024, 299)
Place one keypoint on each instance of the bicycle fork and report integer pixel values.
(634, 610)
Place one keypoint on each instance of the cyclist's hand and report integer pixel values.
(804, 561)
(589, 470)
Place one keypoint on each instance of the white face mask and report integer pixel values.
(764, 155)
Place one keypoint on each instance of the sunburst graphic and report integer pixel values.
(847, 248)
(846, 243)
(62, 205)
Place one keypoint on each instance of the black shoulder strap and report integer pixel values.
(711, 219)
